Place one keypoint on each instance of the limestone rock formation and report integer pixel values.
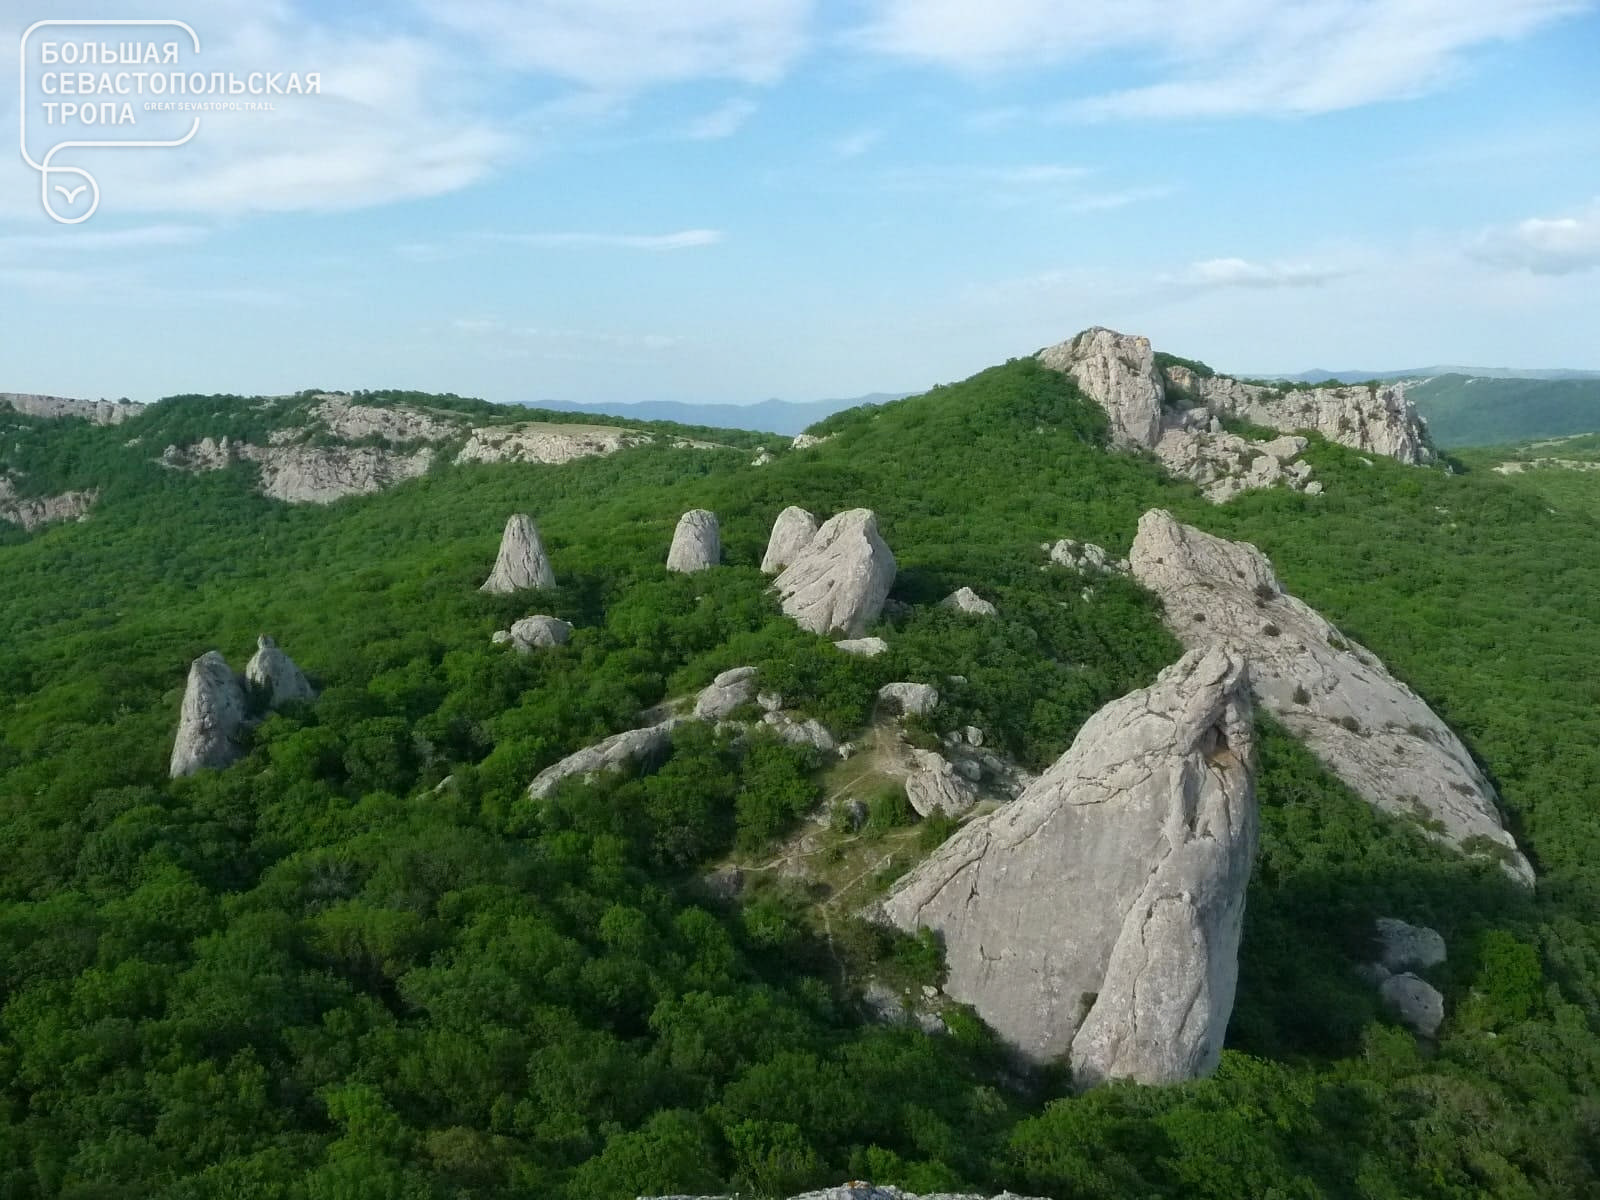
(1083, 556)
(839, 582)
(1403, 946)
(1097, 916)
(31, 512)
(611, 754)
(522, 562)
(791, 534)
(804, 441)
(1118, 372)
(807, 731)
(867, 647)
(910, 699)
(964, 599)
(542, 442)
(348, 419)
(209, 722)
(1416, 1002)
(304, 474)
(866, 1191)
(696, 543)
(1366, 726)
(537, 632)
(727, 692)
(270, 668)
(97, 412)
(935, 786)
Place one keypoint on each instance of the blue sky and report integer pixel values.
(725, 200)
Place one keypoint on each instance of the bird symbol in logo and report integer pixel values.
(74, 193)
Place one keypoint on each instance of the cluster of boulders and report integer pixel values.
(836, 580)
(216, 706)
(1177, 413)
(1403, 950)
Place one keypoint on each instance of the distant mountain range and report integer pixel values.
(784, 417)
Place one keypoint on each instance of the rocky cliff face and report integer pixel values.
(270, 668)
(209, 722)
(839, 582)
(522, 562)
(1118, 372)
(305, 474)
(1096, 918)
(99, 412)
(31, 512)
(1370, 729)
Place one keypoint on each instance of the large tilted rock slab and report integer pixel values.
(615, 752)
(209, 722)
(725, 694)
(1096, 917)
(839, 582)
(522, 562)
(272, 669)
(696, 543)
(1369, 729)
(1118, 372)
(791, 534)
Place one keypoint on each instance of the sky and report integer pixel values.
(729, 200)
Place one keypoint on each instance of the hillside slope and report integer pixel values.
(362, 962)
(1467, 410)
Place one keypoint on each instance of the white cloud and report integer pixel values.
(78, 241)
(683, 239)
(626, 45)
(1242, 273)
(721, 122)
(857, 142)
(1221, 58)
(1545, 245)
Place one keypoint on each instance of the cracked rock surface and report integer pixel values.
(1097, 916)
(696, 543)
(791, 534)
(839, 582)
(1365, 725)
(522, 562)
(209, 722)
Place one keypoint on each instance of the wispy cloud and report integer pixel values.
(721, 122)
(1242, 273)
(857, 142)
(683, 239)
(1544, 245)
(80, 241)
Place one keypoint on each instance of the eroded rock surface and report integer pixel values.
(964, 599)
(1118, 372)
(270, 668)
(303, 474)
(791, 534)
(522, 562)
(538, 632)
(1097, 916)
(909, 699)
(32, 512)
(867, 647)
(209, 722)
(613, 753)
(934, 786)
(696, 543)
(726, 693)
(98, 412)
(539, 442)
(867, 1191)
(839, 582)
(1403, 946)
(1366, 726)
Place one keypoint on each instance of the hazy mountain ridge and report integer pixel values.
(787, 417)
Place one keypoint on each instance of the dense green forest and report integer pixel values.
(361, 963)
(1469, 410)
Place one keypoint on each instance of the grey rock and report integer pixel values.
(804, 732)
(1117, 371)
(972, 735)
(857, 1190)
(620, 750)
(209, 722)
(935, 786)
(1416, 1002)
(1084, 556)
(968, 601)
(839, 582)
(1314, 488)
(1403, 946)
(696, 543)
(727, 692)
(552, 444)
(521, 563)
(538, 632)
(867, 647)
(96, 412)
(32, 512)
(272, 669)
(1369, 728)
(909, 699)
(804, 441)
(1097, 917)
(769, 701)
(791, 534)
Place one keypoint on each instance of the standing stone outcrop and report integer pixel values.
(791, 534)
(1366, 726)
(727, 692)
(964, 599)
(696, 543)
(534, 633)
(1402, 945)
(839, 582)
(611, 754)
(1096, 918)
(209, 722)
(522, 562)
(270, 668)
(1118, 372)
(1415, 1002)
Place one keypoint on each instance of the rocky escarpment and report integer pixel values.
(1096, 918)
(1177, 413)
(522, 562)
(275, 672)
(1370, 729)
(212, 715)
(98, 412)
(696, 543)
(305, 474)
(791, 534)
(31, 512)
(839, 582)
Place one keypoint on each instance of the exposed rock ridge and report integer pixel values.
(1097, 916)
(1369, 728)
(301, 474)
(99, 412)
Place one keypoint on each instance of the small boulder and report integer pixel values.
(208, 723)
(536, 632)
(1403, 947)
(867, 647)
(273, 670)
(934, 786)
(521, 563)
(839, 582)
(727, 692)
(968, 601)
(1416, 1002)
(909, 699)
(791, 534)
(696, 544)
(808, 732)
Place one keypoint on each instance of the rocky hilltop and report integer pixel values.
(1370, 729)
(98, 412)
(1097, 917)
(1177, 411)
